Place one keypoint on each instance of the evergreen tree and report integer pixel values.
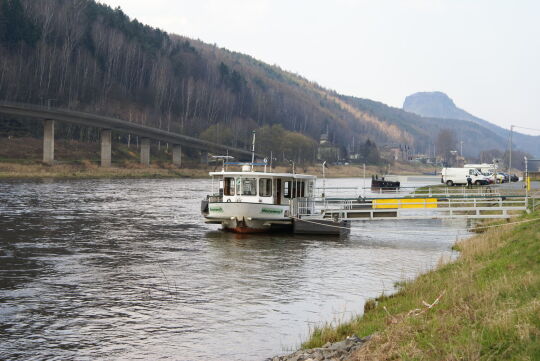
(15, 26)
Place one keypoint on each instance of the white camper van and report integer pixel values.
(452, 176)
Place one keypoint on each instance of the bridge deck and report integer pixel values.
(104, 122)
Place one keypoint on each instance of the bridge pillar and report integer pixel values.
(145, 151)
(177, 155)
(48, 141)
(106, 145)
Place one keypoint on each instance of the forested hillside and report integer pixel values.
(82, 55)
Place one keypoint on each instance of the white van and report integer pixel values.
(452, 176)
(488, 170)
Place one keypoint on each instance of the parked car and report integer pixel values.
(514, 178)
(504, 178)
(490, 177)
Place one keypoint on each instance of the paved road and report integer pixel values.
(535, 185)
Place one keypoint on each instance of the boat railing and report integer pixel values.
(318, 206)
(302, 206)
(456, 191)
(492, 206)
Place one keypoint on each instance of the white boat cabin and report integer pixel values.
(261, 187)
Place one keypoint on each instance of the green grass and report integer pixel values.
(489, 306)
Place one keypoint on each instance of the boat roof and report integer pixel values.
(264, 174)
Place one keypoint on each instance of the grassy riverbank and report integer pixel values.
(88, 170)
(485, 305)
(130, 169)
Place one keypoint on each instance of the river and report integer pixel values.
(126, 269)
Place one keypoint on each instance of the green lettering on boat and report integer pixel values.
(272, 210)
(216, 209)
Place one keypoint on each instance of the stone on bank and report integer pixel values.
(337, 351)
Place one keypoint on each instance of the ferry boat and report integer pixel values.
(249, 201)
(382, 184)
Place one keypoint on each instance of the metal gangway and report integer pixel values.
(423, 203)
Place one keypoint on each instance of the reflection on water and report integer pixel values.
(126, 269)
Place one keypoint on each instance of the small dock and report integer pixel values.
(330, 214)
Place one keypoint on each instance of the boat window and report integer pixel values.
(265, 187)
(228, 187)
(310, 189)
(298, 188)
(249, 186)
(301, 191)
(287, 189)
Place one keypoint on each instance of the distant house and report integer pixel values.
(397, 152)
(425, 159)
(326, 150)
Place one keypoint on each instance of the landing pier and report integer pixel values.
(324, 214)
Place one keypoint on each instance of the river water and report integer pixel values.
(126, 269)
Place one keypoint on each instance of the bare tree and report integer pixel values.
(446, 142)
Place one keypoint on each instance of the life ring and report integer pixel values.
(228, 201)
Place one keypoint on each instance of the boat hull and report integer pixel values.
(244, 217)
(384, 184)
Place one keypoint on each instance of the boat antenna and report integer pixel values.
(253, 151)
(364, 182)
(323, 180)
(224, 159)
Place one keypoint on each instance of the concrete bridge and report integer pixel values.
(107, 124)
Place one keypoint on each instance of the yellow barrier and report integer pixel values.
(405, 203)
(528, 183)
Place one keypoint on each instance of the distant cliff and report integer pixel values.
(440, 105)
(435, 104)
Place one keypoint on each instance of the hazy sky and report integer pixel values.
(485, 54)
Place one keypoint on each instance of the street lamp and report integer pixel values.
(510, 150)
